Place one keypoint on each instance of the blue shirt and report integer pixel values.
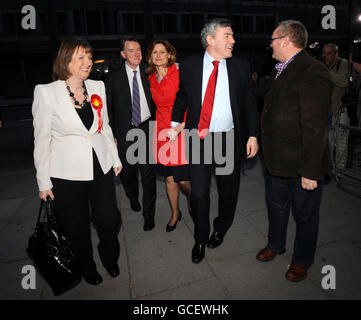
(222, 119)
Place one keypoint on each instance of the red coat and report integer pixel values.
(164, 93)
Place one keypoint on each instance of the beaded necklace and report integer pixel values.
(76, 102)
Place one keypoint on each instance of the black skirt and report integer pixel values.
(179, 173)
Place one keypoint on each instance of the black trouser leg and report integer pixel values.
(305, 209)
(72, 212)
(106, 218)
(200, 186)
(147, 172)
(278, 199)
(228, 187)
(129, 176)
(280, 194)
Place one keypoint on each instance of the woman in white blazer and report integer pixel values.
(75, 156)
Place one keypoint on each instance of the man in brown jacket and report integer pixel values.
(295, 145)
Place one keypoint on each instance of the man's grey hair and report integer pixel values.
(210, 28)
(333, 46)
(296, 31)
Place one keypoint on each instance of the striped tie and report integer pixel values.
(136, 117)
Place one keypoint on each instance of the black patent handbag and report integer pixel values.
(52, 252)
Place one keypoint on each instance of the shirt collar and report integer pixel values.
(282, 65)
(208, 60)
(129, 69)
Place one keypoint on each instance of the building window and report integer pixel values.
(139, 23)
(270, 24)
(185, 23)
(62, 22)
(260, 27)
(94, 22)
(197, 22)
(342, 25)
(127, 23)
(109, 22)
(77, 22)
(237, 24)
(158, 23)
(170, 23)
(8, 25)
(247, 24)
(42, 23)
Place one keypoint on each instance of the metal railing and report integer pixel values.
(348, 157)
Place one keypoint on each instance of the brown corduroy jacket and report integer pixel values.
(295, 120)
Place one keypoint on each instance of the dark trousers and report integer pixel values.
(281, 195)
(129, 176)
(228, 187)
(72, 211)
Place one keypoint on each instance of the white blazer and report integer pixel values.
(63, 145)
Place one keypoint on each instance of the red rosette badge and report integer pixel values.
(97, 104)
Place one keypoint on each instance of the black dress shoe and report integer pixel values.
(215, 240)
(113, 270)
(148, 223)
(171, 228)
(135, 205)
(93, 279)
(198, 252)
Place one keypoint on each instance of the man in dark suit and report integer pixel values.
(216, 91)
(295, 145)
(130, 106)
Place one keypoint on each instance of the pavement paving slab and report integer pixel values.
(156, 265)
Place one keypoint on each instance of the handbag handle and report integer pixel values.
(49, 210)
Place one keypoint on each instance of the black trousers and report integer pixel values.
(129, 176)
(227, 185)
(281, 195)
(71, 204)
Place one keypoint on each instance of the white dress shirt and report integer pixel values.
(144, 108)
(222, 118)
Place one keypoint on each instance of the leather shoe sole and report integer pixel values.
(296, 273)
(267, 255)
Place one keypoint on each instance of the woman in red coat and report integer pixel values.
(170, 156)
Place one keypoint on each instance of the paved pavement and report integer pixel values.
(157, 265)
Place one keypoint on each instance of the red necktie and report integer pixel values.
(207, 107)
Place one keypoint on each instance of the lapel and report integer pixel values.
(67, 107)
(92, 89)
(232, 74)
(197, 81)
(284, 76)
(145, 84)
(125, 89)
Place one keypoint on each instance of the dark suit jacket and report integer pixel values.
(243, 103)
(295, 120)
(119, 103)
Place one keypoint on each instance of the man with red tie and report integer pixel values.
(216, 91)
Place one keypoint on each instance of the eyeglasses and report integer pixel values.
(272, 39)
